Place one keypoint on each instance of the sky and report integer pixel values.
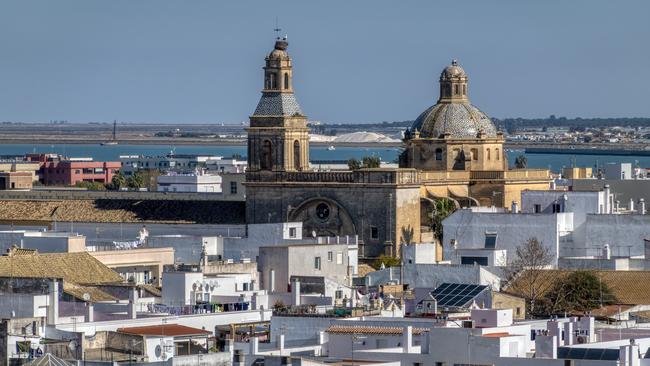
(356, 61)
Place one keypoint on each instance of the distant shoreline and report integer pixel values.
(528, 147)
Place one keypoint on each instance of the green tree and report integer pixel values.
(135, 181)
(440, 209)
(354, 164)
(118, 181)
(521, 162)
(578, 292)
(371, 161)
(386, 260)
(91, 186)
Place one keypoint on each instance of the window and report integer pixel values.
(537, 208)
(488, 154)
(557, 208)
(330, 256)
(233, 187)
(474, 154)
(456, 90)
(374, 232)
(317, 263)
(490, 240)
(286, 80)
(438, 154)
(339, 258)
(464, 89)
(496, 151)
(481, 261)
(292, 232)
(266, 162)
(296, 155)
(518, 311)
(338, 294)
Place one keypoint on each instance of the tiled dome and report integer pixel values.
(460, 120)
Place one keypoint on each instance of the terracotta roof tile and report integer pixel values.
(629, 287)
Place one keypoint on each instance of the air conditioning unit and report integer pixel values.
(582, 339)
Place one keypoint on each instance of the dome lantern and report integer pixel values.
(453, 84)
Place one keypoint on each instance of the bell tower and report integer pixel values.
(278, 137)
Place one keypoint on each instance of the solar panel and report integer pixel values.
(456, 294)
(573, 353)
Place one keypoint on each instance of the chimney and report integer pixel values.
(53, 307)
(631, 204)
(515, 207)
(608, 207)
(254, 346)
(641, 206)
(295, 292)
(133, 299)
(617, 206)
(424, 347)
(545, 346)
(90, 312)
(407, 339)
(568, 334)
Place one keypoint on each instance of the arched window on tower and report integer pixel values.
(488, 153)
(286, 80)
(438, 154)
(273, 83)
(266, 162)
(456, 89)
(296, 155)
(496, 152)
(448, 90)
(464, 89)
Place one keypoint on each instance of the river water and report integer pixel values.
(111, 153)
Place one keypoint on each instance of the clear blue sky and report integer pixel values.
(354, 61)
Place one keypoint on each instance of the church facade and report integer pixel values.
(453, 150)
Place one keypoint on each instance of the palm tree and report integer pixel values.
(441, 208)
(521, 162)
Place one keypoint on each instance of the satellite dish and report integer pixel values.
(86, 296)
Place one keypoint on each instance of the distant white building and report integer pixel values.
(43, 241)
(191, 182)
(618, 171)
(182, 163)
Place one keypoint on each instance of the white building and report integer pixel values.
(43, 241)
(189, 182)
(182, 163)
(182, 288)
(190, 249)
(569, 224)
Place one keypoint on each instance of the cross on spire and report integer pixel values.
(277, 29)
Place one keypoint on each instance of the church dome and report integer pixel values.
(460, 120)
(453, 115)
